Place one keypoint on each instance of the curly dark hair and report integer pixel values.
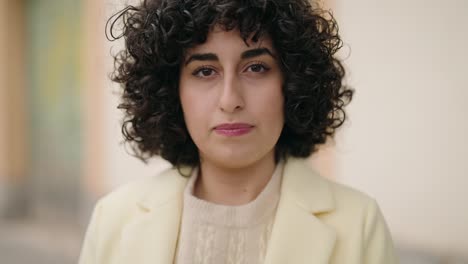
(157, 34)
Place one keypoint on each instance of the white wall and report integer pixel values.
(406, 143)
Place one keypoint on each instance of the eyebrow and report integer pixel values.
(256, 52)
(245, 55)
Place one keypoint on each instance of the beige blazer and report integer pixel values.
(317, 222)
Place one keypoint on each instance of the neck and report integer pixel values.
(238, 186)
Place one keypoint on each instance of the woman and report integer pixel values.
(234, 94)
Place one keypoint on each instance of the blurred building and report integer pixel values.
(41, 129)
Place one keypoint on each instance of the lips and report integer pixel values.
(233, 129)
(233, 126)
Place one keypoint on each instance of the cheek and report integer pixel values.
(276, 110)
(270, 104)
(190, 108)
(195, 111)
(188, 100)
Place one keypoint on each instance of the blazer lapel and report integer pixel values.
(298, 235)
(151, 236)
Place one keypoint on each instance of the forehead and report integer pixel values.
(221, 40)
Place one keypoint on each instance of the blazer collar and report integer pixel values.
(307, 187)
(298, 235)
(151, 234)
(300, 182)
(167, 186)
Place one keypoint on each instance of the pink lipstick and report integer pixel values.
(233, 129)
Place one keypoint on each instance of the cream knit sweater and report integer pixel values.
(214, 234)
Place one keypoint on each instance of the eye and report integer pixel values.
(258, 67)
(203, 72)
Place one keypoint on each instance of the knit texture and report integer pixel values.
(212, 233)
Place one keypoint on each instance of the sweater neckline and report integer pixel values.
(252, 213)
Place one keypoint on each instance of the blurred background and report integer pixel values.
(405, 143)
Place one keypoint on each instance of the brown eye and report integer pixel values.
(257, 68)
(206, 72)
(203, 72)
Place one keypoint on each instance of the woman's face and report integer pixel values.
(232, 99)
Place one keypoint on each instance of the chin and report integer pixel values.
(238, 160)
(235, 163)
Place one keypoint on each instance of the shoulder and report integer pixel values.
(355, 217)
(355, 208)
(143, 191)
(319, 193)
(121, 207)
(349, 198)
(338, 205)
(358, 220)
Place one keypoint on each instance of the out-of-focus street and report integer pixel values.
(40, 243)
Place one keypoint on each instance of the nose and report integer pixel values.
(231, 98)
